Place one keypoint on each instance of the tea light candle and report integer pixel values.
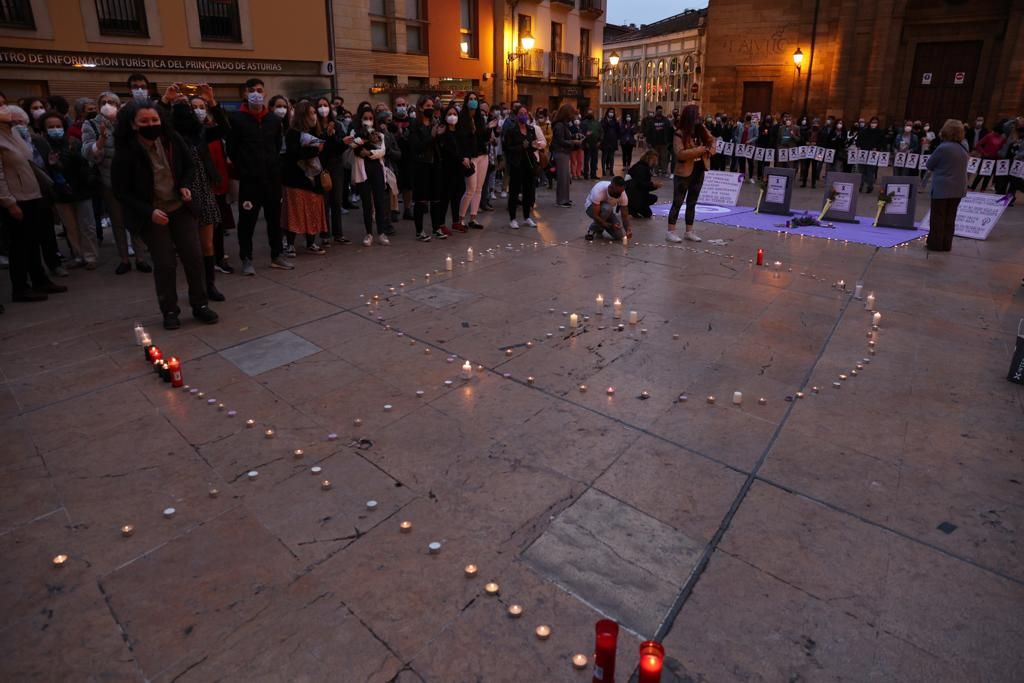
(213, 493)
(387, 407)
(491, 588)
(799, 394)
(232, 413)
(426, 351)
(675, 336)
(469, 254)
(837, 384)
(334, 437)
(59, 560)
(617, 308)
(269, 433)
(470, 570)
(371, 505)
(419, 393)
(515, 611)
(876, 319)
(169, 512)
(561, 328)
(253, 474)
(405, 526)
(221, 406)
(777, 265)
(200, 395)
(543, 631)
(643, 330)
(579, 661)
(599, 304)
(634, 317)
(127, 530)
(683, 398)
(869, 303)
(711, 399)
(583, 388)
(529, 344)
(574, 321)
(298, 452)
(467, 368)
(325, 484)
(316, 469)
(814, 389)
(762, 401)
(842, 377)
(529, 380)
(859, 366)
(508, 352)
(448, 265)
(250, 423)
(434, 548)
(611, 391)
(737, 397)
(448, 382)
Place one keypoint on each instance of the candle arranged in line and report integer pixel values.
(858, 290)
(599, 303)
(876, 319)
(467, 370)
(760, 257)
(469, 254)
(60, 560)
(574, 321)
(737, 397)
(869, 303)
(634, 317)
(405, 526)
(579, 661)
(448, 264)
(617, 307)
(515, 611)
(652, 658)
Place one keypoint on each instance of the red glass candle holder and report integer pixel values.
(606, 639)
(174, 365)
(760, 257)
(153, 354)
(652, 659)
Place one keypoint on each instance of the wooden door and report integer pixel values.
(757, 97)
(943, 80)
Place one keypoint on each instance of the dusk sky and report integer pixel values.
(646, 11)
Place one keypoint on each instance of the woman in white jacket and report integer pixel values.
(368, 175)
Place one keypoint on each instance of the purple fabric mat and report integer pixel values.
(861, 232)
(705, 212)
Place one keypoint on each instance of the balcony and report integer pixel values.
(590, 69)
(569, 3)
(17, 14)
(561, 66)
(531, 64)
(594, 8)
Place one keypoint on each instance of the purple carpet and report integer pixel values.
(861, 232)
(705, 212)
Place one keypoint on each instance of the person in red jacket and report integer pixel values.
(988, 148)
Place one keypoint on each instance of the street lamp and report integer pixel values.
(798, 58)
(613, 59)
(527, 41)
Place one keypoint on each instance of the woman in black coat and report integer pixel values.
(423, 166)
(453, 164)
(640, 186)
(151, 173)
(519, 143)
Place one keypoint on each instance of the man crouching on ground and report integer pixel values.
(608, 206)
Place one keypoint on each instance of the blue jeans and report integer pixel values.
(607, 213)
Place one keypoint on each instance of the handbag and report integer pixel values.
(1016, 373)
(326, 182)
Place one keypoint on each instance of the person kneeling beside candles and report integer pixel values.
(151, 174)
(608, 206)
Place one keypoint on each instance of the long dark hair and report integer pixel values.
(185, 122)
(689, 123)
(299, 116)
(467, 117)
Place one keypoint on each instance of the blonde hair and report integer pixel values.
(952, 130)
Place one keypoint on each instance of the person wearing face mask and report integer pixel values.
(139, 87)
(332, 160)
(611, 131)
(592, 134)
(474, 139)
(72, 193)
(906, 142)
(811, 135)
(576, 156)
(423, 157)
(871, 138)
(254, 142)
(454, 161)
(787, 136)
(520, 143)
(399, 129)
(214, 123)
(151, 173)
(563, 144)
(85, 108)
(21, 198)
(35, 107)
(975, 133)
(302, 175)
(927, 143)
(988, 148)
(628, 140)
(487, 194)
(368, 175)
(41, 152)
(544, 167)
(836, 141)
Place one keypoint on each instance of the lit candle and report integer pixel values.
(711, 399)
(221, 406)
(325, 484)
(837, 384)
(60, 560)
(652, 657)
(634, 317)
(174, 365)
(469, 254)
(467, 369)
(583, 388)
(760, 257)
(579, 661)
(269, 433)
(543, 631)
(599, 301)
(611, 391)
(761, 401)
(213, 493)
(529, 380)
(737, 397)
(405, 526)
(387, 407)
(799, 394)
(876, 319)
(448, 263)
(574, 320)
(470, 570)
(858, 290)
(777, 265)
(298, 453)
(869, 303)
(127, 530)
(492, 588)
(508, 352)
(515, 611)
(419, 393)
(140, 334)
(250, 422)
(617, 308)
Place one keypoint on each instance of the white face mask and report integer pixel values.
(368, 124)
(108, 110)
(906, 129)
(36, 113)
(140, 93)
(323, 111)
(281, 111)
(200, 114)
(452, 119)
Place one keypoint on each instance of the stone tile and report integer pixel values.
(266, 353)
(625, 563)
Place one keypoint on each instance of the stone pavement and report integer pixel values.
(865, 533)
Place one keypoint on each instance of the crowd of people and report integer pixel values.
(161, 174)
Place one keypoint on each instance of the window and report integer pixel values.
(556, 36)
(380, 37)
(122, 17)
(17, 14)
(219, 21)
(468, 21)
(414, 9)
(414, 39)
(378, 7)
(416, 27)
(584, 42)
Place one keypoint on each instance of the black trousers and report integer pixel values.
(23, 239)
(521, 182)
(451, 186)
(336, 198)
(373, 195)
(627, 157)
(227, 222)
(48, 236)
(686, 189)
(942, 223)
(807, 166)
(589, 161)
(607, 160)
(178, 240)
(254, 195)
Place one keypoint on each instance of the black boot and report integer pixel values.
(212, 293)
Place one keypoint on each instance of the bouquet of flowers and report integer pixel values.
(883, 199)
(762, 187)
(832, 194)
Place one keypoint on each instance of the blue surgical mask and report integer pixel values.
(255, 99)
(140, 93)
(473, 104)
(402, 110)
(55, 133)
(22, 130)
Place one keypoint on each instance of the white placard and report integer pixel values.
(819, 154)
(844, 197)
(872, 159)
(721, 188)
(769, 155)
(987, 166)
(852, 154)
(1017, 169)
(883, 159)
(901, 160)
(727, 148)
(978, 214)
(900, 199)
(759, 154)
(923, 163)
(1003, 167)
(912, 160)
(750, 151)
(972, 164)
(783, 154)
(806, 152)
(830, 156)
(776, 193)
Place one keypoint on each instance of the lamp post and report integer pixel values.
(798, 59)
(613, 59)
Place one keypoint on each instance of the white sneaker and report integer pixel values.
(514, 224)
(692, 236)
(672, 236)
(504, 194)
(529, 222)
(368, 240)
(383, 240)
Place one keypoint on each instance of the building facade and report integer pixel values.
(551, 52)
(656, 64)
(77, 48)
(895, 58)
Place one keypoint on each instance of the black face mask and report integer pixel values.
(151, 132)
(428, 113)
(91, 115)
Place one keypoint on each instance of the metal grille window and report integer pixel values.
(219, 20)
(17, 14)
(122, 17)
